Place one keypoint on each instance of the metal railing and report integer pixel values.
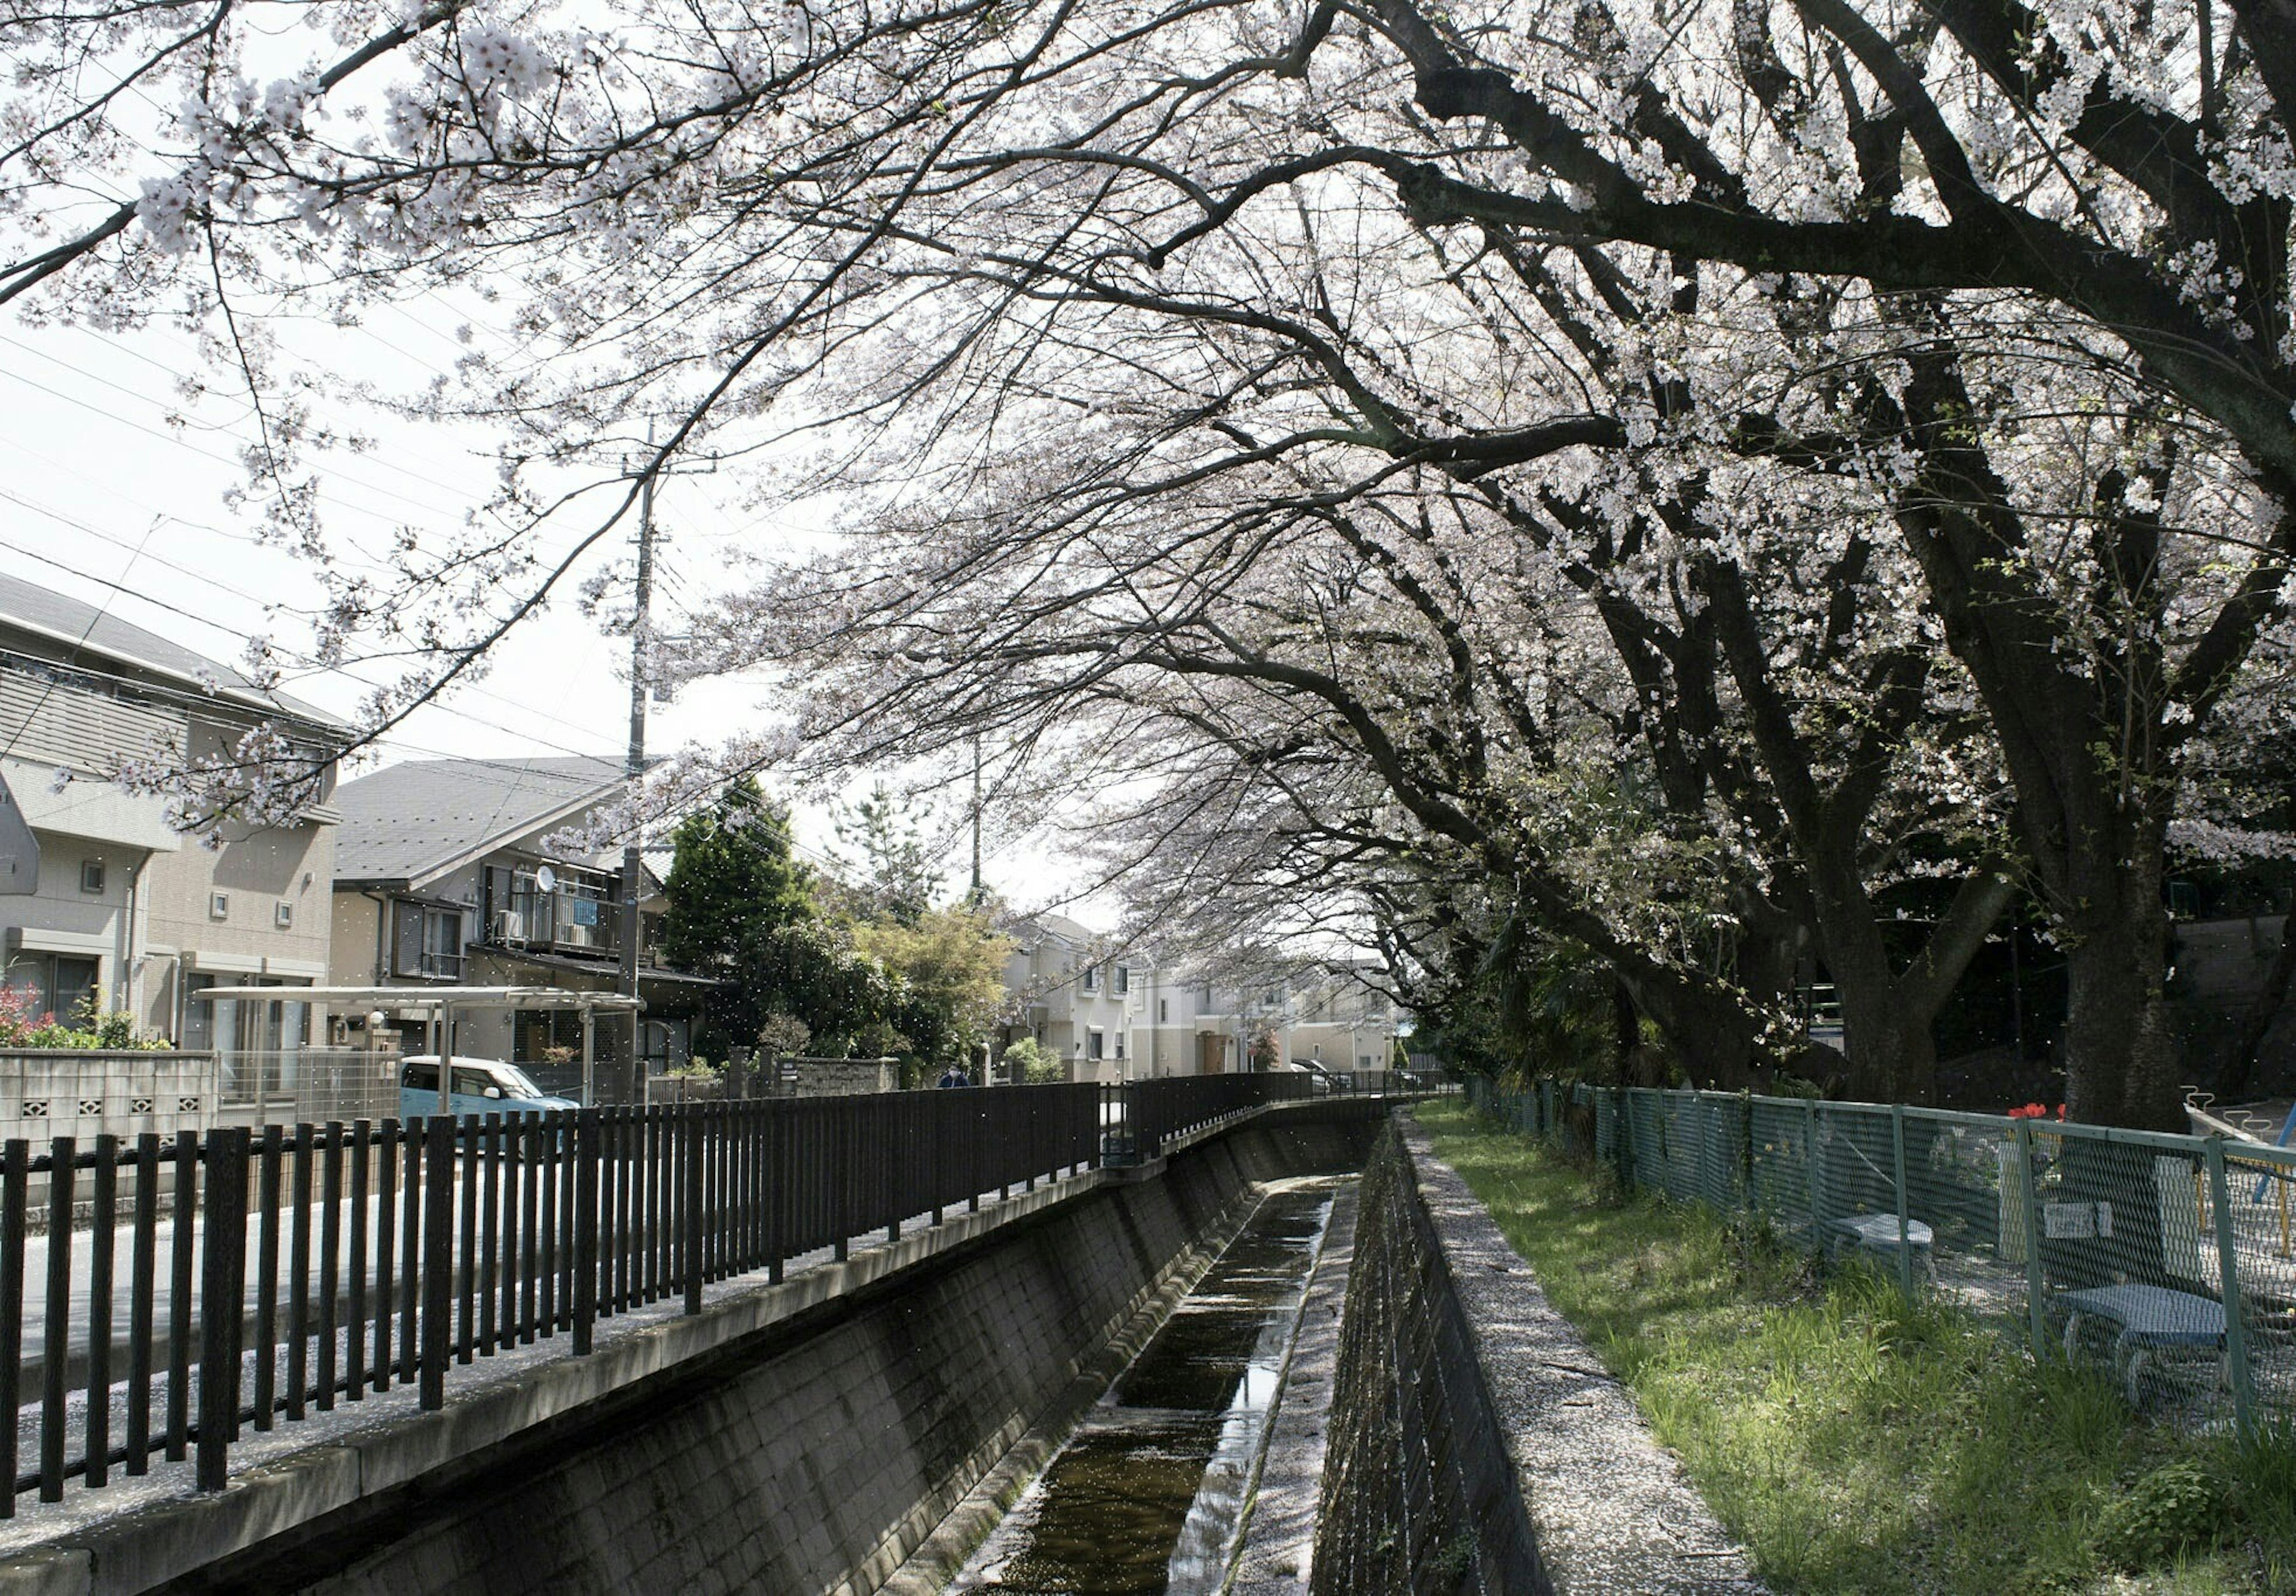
(229, 1279)
(2169, 1259)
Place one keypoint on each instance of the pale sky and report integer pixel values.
(112, 490)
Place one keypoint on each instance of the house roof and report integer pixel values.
(93, 638)
(409, 822)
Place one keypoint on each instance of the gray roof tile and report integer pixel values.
(406, 820)
(86, 629)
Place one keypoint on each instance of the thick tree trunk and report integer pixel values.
(1892, 1055)
(2120, 1062)
(2262, 1010)
(1718, 1041)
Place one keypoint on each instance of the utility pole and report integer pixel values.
(974, 899)
(633, 769)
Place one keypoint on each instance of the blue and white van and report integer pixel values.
(476, 1086)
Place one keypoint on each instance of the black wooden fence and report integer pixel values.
(363, 1255)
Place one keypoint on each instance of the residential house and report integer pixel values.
(1092, 1007)
(1110, 1015)
(128, 915)
(449, 874)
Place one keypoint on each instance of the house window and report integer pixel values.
(428, 942)
(282, 915)
(1163, 1010)
(1120, 1047)
(218, 906)
(258, 1026)
(1095, 1044)
(1092, 980)
(55, 984)
(1123, 979)
(91, 876)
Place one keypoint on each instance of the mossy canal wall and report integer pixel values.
(817, 1452)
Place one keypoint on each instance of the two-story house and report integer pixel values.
(448, 874)
(127, 914)
(1082, 1003)
(1112, 1014)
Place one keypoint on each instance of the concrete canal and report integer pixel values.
(1148, 1493)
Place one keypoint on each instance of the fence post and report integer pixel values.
(587, 1125)
(224, 1241)
(689, 1246)
(1809, 1166)
(2228, 1273)
(437, 1254)
(1746, 1151)
(1905, 1238)
(14, 1192)
(2036, 1313)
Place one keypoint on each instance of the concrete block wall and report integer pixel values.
(1419, 1492)
(840, 1077)
(818, 1459)
(46, 1093)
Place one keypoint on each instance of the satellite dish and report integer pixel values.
(546, 879)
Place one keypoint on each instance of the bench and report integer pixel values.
(1878, 1233)
(2151, 1325)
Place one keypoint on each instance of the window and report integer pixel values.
(1163, 1010)
(1123, 979)
(57, 983)
(282, 915)
(258, 1026)
(218, 906)
(1119, 1046)
(91, 876)
(1092, 980)
(1095, 1044)
(428, 942)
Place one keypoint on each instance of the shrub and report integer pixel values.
(2178, 1508)
(1032, 1066)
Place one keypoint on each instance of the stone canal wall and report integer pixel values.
(816, 1453)
(1419, 1492)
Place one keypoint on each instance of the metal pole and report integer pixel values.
(432, 1024)
(1905, 1249)
(2229, 1274)
(589, 1085)
(2035, 1307)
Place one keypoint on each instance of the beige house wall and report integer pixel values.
(150, 924)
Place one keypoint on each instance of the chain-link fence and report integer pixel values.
(2168, 1259)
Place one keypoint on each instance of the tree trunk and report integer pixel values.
(2262, 1010)
(2120, 1063)
(1891, 1053)
(1715, 1037)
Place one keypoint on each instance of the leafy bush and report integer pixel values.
(2178, 1508)
(23, 1024)
(1032, 1066)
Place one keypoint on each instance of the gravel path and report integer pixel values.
(1611, 1508)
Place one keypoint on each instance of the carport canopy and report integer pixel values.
(440, 1003)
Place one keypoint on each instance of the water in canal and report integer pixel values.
(1144, 1497)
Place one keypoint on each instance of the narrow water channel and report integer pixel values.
(1144, 1496)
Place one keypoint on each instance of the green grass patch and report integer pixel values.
(1857, 1441)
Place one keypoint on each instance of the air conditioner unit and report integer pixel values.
(511, 927)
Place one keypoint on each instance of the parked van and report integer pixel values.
(476, 1086)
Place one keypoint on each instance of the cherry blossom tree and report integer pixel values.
(1677, 471)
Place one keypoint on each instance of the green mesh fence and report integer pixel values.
(2169, 1259)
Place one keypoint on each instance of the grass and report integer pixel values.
(1857, 1441)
